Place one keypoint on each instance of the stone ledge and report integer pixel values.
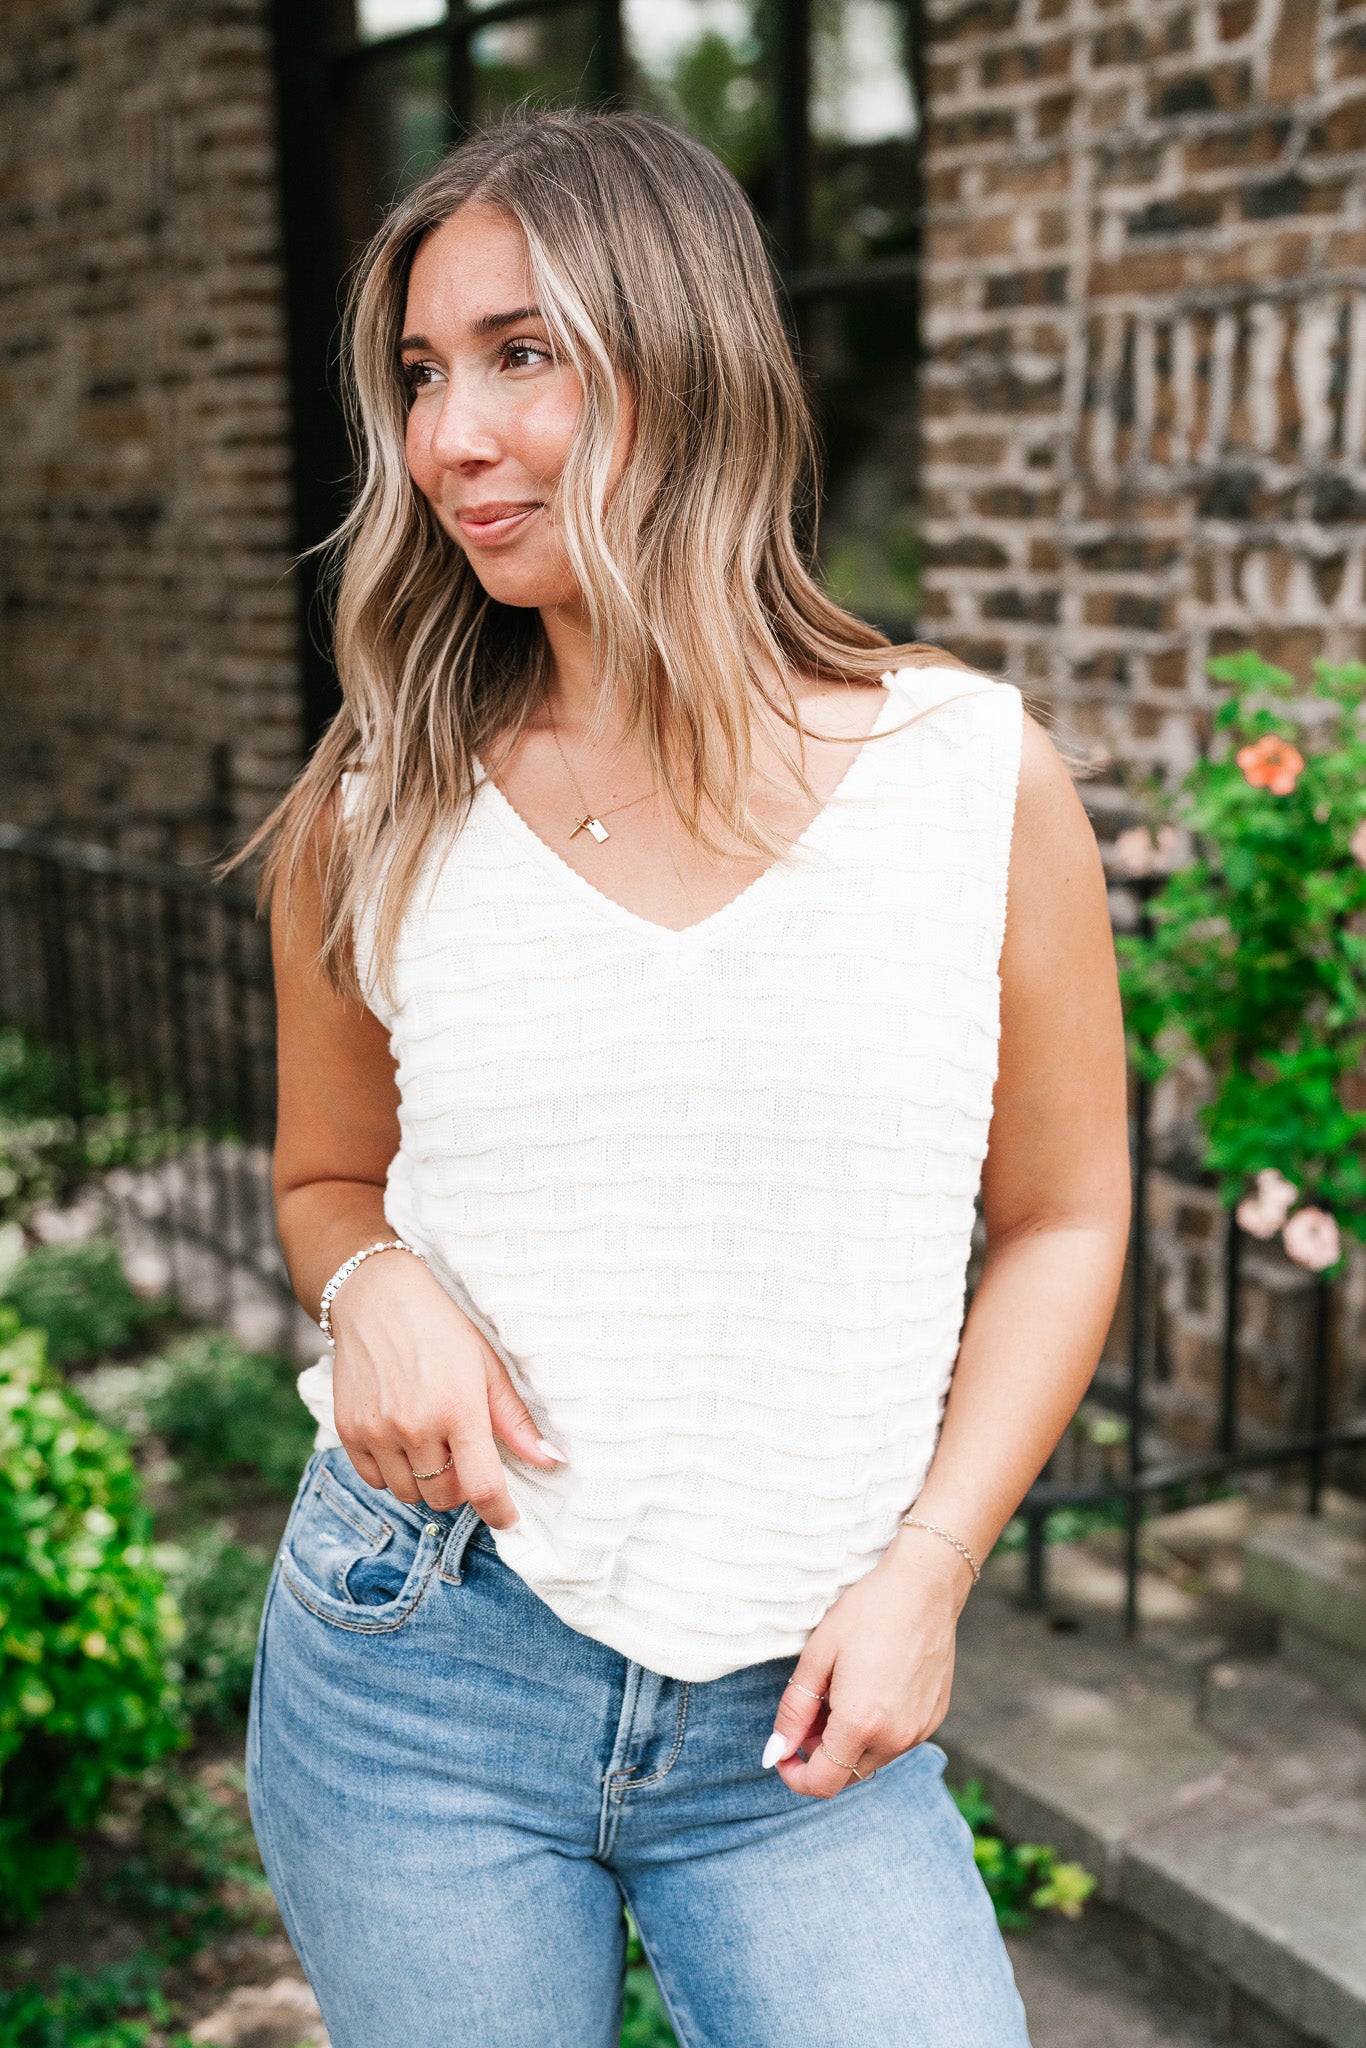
(1220, 1802)
(1310, 1572)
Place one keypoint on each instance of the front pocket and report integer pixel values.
(359, 1564)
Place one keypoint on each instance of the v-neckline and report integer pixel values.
(649, 926)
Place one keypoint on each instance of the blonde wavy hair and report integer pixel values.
(651, 272)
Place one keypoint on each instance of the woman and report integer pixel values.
(644, 968)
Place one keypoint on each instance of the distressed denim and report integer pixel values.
(454, 1792)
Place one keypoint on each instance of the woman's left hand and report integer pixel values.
(883, 1658)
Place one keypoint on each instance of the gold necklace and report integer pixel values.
(591, 821)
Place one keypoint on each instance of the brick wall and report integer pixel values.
(1145, 401)
(148, 688)
(1145, 442)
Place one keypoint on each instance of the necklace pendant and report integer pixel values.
(594, 827)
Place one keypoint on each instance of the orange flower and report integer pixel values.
(1271, 763)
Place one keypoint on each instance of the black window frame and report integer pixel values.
(310, 64)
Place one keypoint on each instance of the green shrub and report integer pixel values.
(219, 1587)
(1256, 959)
(1023, 1878)
(79, 1297)
(222, 1408)
(192, 1870)
(87, 1626)
(120, 2008)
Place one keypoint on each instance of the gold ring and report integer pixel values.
(840, 1766)
(438, 1472)
(795, 1686)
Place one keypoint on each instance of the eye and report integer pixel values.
(524, 354)
(416, 376)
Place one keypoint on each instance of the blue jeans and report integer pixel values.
(454, 1792)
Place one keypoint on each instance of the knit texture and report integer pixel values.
(710, 1193)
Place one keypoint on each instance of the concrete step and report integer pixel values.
(1219, 1798)
(1309, 1573)
(1079, 1993)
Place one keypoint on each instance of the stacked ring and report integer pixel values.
(853, 1769)
(438, 1472)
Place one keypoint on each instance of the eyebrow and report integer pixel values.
(487, 323)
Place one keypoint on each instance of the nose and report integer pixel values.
(462, 433)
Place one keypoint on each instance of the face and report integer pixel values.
(492, 414)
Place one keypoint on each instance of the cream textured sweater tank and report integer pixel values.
(710, 1193)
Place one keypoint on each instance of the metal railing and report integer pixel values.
(159, 981)
(150, 990)
(1154, 1471)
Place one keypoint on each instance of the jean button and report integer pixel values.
(433, 1528)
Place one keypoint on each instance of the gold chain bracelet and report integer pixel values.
(914, 1522)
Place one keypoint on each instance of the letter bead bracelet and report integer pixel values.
(347, 1268)
(914, 1522)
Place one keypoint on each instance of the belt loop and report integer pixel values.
(453, 1550)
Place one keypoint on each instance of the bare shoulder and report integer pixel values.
(841, 709)
(1057, 913)
(297, 892)
(1053, 835)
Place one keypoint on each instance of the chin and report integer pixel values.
(521, 585)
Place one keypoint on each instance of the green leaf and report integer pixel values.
(1249, 672)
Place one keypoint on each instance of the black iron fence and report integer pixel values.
(146, 992)
(150, 987)
(1153, 1472)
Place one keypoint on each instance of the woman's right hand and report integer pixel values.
(415, 1383)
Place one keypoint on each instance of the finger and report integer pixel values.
(483, 1482)
(511, 1419)
(801, 1708)
(365, 1465)
(827, 1770)
(841, 1749)
(397, 1473)
(441, 1488)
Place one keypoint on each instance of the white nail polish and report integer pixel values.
(775, 1749)
(549, 1451)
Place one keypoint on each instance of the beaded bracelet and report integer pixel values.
(347, 1268)
(914, 1522)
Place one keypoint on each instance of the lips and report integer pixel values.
(495, 520)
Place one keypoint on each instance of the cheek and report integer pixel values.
(418, 451)
(540, 433)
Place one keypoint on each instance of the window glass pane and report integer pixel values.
(864, 123)
(393, 126)
(700, 64)
(550, 59)
(376, 18)
(860, 353)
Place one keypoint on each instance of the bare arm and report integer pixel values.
(414, 1382)
(1056, 1202)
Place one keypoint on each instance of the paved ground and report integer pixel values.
(1078, 1994)
(1216, 1792)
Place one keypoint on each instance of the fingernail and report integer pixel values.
(775, 1749)
(549, 1451)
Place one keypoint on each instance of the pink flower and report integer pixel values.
(1357, 844)
(1140, 852)
(1263, 1213)
(1271, 763)
(1312, 1239)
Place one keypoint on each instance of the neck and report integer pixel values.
(574, 687)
